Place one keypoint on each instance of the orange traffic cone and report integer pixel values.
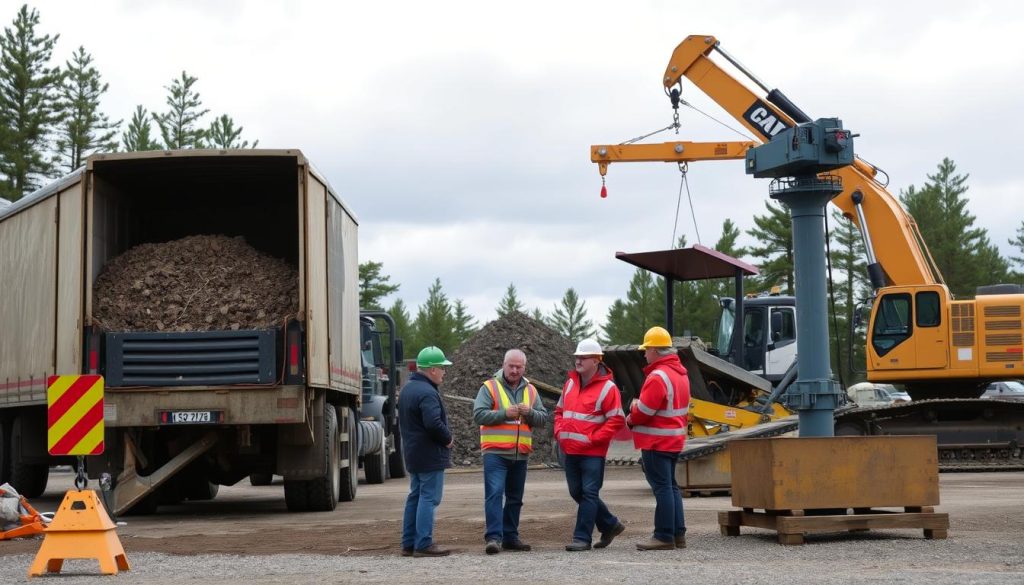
(81, 529)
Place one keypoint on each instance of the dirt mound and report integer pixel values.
(197, 283)
(548, 358)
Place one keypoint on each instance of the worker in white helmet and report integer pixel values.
(587, 417)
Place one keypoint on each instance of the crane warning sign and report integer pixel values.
(74, 415)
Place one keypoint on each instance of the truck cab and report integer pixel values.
(769, 334)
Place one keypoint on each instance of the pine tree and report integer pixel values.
(570, 317)
(774, 233)
(510, 302)
(848, 260)
(28, 105)
(1018, 243)
(538, 315)
(373, 286)
(84, 130)
(137, 137)
(963, 253)
(178, 125)
(434, 324)
(465, 325)
(404, 329)
(223, 134)
(628, 321)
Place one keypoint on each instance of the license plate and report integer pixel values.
(190, 417)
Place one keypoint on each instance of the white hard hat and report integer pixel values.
(588, 347)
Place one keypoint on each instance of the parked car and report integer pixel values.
(868, 394)
(1005, 390)
(895, 393)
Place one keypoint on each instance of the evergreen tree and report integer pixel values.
(434, 324)
(28, 105)
(84, 129)
(403, 327)
(570, 317)
(774, 234)
(373, 286)
(538, 315)
(223, 134)
(510, 302)
(963, 253)
(848, 260)
(628, 321)
(179, 125)
(137, 137)
(464, 324)
(1018, 243)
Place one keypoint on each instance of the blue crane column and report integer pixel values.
(796, 159)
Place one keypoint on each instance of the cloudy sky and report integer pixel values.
(460, 131)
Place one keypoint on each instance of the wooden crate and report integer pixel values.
(805, 473)
(708, 475)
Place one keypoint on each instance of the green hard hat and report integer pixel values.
(431, 356)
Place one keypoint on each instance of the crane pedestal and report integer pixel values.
(834, 484)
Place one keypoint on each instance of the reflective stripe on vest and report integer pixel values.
(512, 434)
(667, 412)
(587, 417)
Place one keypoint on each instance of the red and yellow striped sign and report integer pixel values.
(74, 415)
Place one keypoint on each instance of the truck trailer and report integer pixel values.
(186, 411)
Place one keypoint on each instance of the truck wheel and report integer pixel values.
(296, 496)
(350, 476)
(260, 478)
(28, 478)
(396, 461)
(323, 490)
(375, 465)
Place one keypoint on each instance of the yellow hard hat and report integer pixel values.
(656, 337)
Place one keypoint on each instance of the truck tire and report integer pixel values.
(296, 495)
(28, 478)
(350, 476)
(375, 465)
(396, 460)
(261, 478)
(323, 490)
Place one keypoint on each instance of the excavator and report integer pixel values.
(943, 350)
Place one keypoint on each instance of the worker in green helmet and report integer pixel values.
(427, 446)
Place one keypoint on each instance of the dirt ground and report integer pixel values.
(246, 520)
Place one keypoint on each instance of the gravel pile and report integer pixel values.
(548, 358)
(197, 283)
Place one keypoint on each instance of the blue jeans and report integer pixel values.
(660, 471)
(504, 479)
(425, 490)
(585, 476)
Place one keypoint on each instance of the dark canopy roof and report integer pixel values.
(696, 263)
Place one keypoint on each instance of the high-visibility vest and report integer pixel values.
(511, 434)
(666, 430)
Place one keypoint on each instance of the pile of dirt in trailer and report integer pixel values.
(548, 358)
(197, 283)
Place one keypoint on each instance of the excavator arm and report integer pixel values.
(895, 247)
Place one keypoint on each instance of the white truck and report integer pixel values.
(205, 408)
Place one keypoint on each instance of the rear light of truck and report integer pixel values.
(295, 354)
(92, 350)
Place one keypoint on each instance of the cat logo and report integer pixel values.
(764, 120)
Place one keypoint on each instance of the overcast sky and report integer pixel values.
(459, 132)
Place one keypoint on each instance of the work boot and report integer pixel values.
(608, 537)
(431, 551)
(407, 552)
(516, 545)
(493, 547)
(680, 541)
(577, 546)
(655, 544)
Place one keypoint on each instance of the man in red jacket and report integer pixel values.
(658, 422)
(588, 414)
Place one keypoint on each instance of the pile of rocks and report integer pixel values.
(197, 283)
(548, 358)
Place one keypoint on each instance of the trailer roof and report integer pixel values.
(694, 263)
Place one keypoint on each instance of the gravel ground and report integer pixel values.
(986, 513)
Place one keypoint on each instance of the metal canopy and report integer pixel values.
(694, 263)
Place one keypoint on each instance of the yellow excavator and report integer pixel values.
(943, 350)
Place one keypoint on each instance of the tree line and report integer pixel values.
(51, 116)
(963, 252)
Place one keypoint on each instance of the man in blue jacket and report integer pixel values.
(427, 445)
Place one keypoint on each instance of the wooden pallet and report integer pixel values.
(792, 525)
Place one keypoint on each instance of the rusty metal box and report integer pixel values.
(803, 473)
